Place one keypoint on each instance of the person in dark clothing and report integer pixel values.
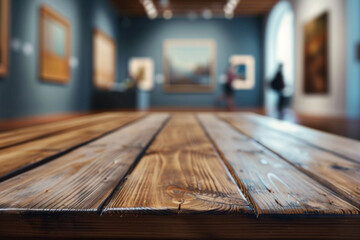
(228, 89)
(278, 85)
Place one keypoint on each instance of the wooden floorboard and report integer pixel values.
(272, 185)
(344, 147)
(17, 158)
(83, 179)
(338, 174)
(180, 173)
(22, 135)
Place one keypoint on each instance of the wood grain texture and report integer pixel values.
(20, 156)
(180, 173)
(82, 179)
(273, 186)
(344, 147)
(338, 174)
(22, 135)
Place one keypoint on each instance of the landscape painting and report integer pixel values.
(316, 56)
(189, 65)
(55, 35)
(240, 71)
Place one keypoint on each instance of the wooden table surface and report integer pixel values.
(178, 175)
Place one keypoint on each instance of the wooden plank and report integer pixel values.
(272, 185)
(22, 135)
(338, 174)
(180, 173)
(93, 226)
(82, 179)
(20, 157)
(17, 123)
(344, 147)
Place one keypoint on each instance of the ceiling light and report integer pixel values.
(167, 14)
(149, 8)
(230, 7)
(207, 14)
(229, 15)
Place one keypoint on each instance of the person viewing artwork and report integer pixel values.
(278, 85)
(228, 89)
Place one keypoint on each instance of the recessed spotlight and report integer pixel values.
(149, 8)
(153, 15)
(167, 14)
(230, 7)
(207, 13)
(229, 15)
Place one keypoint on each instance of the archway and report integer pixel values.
(279, 48)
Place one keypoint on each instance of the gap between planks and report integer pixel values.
(44, 160)
(231, 170)
(23, 135)
(104, 204)
(229, 119)
(260, 121)
(79, 181)
(181, 173)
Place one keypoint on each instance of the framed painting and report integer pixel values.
(54, 47)
(244, 69)
(104, 60)
(4, 36)
(142, 70)
(189, 65)
(316, 56)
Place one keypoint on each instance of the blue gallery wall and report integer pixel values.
(352, 63)
(22, 93)
(144, 38)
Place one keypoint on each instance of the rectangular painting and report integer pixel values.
(316, 56)
(4, 36)
(104, 60)
(243, 67)
(54, 50)
(189, 65)
(142, 71)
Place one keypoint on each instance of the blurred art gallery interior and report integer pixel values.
(64, 58)
(180, 119)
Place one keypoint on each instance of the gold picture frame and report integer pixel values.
(4, 36)
(54, 46)
(104, 60)
(189, 65)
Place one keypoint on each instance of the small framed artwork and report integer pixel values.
(4, 36)
(142, 70)
(316, 55)
(104, 60)
(244, 69)
(189, 65)
(54, 47)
